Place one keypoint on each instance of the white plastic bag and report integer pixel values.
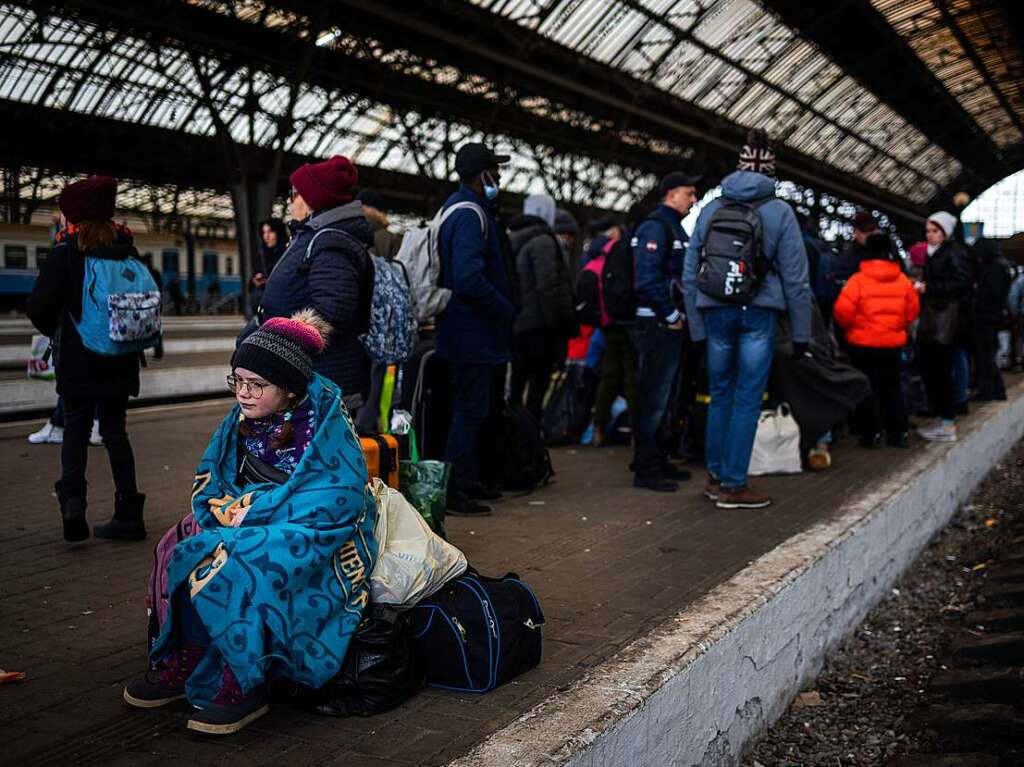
(777, 444)
(40, 364)
(413, 562)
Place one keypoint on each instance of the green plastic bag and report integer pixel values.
(425, 485)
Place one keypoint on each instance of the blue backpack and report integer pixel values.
(391, 338)
(121, 305)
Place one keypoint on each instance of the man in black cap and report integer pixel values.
(659, 246)
(474, 331)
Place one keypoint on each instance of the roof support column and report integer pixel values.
(252, 198)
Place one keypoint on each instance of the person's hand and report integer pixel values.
(801, 350)
(677, 325)
(919, 287)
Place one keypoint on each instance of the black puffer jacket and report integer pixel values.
(56, 304)
(336, 281)
(545, 283)
(993, 285)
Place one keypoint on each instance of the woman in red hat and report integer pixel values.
(88, 382)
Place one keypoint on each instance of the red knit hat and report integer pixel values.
(326, 184)
(91, 199)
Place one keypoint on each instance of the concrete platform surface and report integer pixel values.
(609, 564)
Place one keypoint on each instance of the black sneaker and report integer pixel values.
(228, 718)
(658, 484)
(464, 506)
(152, 690)
(481, 492)
(674, 473)
(898, 440)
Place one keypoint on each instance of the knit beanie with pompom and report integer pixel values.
(757, 154)
(282, 350)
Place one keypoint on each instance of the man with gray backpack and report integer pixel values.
(745, 263)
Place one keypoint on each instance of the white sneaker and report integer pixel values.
(49, 434)
(938, 432)
(94, 437)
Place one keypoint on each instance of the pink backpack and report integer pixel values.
(157, 598)
(590, 307)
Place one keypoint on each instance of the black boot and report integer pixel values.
(72, 513)
(127, 524)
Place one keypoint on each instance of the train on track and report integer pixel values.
(207, 270)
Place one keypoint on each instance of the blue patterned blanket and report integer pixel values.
(279, 574)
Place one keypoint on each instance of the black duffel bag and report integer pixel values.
(477, 632)
(381, 670)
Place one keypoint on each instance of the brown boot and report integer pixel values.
(741, 498)
(712, 488)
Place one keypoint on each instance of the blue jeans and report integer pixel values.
(741, 342)
(659, 351)
(471, 389)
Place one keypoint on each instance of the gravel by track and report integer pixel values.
(858, 712)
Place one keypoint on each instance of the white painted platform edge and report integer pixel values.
(27, 395)
(698, 689)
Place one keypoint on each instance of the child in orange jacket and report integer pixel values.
(875, 308)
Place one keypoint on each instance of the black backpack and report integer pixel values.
(588, 298)
(732, 263)
(477, 633)
(512, 453)
(618, 281)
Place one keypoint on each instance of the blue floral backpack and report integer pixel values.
(392, 336)
(121, 306)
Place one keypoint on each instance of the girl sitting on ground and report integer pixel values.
(875, 308)
(274, 582)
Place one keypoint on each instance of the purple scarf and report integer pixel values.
(264, 431)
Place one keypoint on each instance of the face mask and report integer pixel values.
(490, 186)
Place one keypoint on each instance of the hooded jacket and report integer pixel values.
(56, 304)
(786, 287)
(337, 282)
(546, 292)
(876, 305)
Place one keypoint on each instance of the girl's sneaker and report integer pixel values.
(939, 432)
(231, 710)
(167, 684)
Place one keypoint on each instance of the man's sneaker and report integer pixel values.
(656, 483)
(94, 435)
(741, 498)
(231, 710)
(674, 473)
(49, 434)
(712, 488)
(464, 506)
(939, 432)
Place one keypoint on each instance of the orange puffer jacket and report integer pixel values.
(876, 306)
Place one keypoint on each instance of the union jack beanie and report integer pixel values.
(757, 154)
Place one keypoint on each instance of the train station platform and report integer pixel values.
(675, 631)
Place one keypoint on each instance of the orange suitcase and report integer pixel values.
(381, 453)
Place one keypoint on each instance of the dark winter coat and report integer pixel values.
(545, 286)
(337, 283)
(476, 325)
(993, 290)
(658, 261)
(56, 299)
(947, 277)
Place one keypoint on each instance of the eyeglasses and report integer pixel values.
(292, 194)
(236, 384)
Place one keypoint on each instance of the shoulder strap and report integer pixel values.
(309, 248)
(445, 214)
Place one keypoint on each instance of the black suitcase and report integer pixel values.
(431, 405)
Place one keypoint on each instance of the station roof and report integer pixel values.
(892, 104)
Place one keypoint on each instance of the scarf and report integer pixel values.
(282, 592)
(264, 432)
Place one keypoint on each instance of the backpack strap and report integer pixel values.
(444, 215)
(308, 256)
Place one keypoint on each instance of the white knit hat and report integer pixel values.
(945, 221)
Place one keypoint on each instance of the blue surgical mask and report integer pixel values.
(490, 186)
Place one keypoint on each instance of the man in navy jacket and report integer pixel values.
(474, 331)
(659, 246)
